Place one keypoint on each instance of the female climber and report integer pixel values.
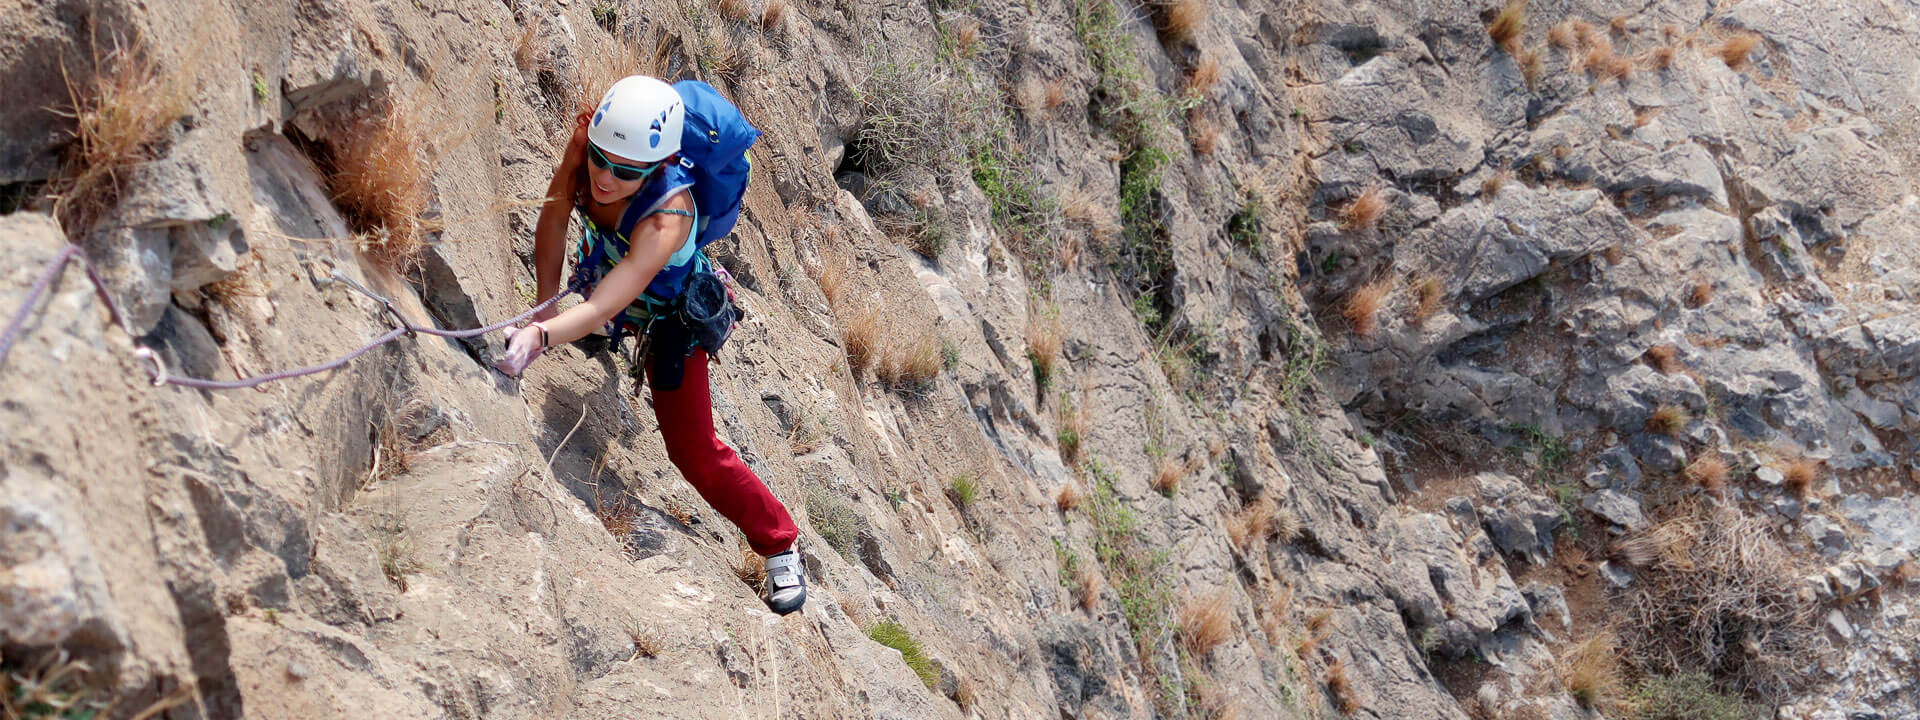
(632, 171)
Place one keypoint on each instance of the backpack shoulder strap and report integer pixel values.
(653, 198)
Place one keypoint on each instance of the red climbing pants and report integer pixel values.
(686, 421)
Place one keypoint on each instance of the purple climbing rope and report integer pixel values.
(19, 318)
(159, 370)
(161, 377)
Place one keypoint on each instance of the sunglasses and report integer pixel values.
(624, 173)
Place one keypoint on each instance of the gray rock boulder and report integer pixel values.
(1519, 521)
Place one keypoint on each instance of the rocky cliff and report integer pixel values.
(1380, 359)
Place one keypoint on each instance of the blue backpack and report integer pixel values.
(713, 148)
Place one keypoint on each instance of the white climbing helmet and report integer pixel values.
(639, 118)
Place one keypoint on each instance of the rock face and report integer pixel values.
(1172, 462)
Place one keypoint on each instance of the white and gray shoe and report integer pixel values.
(786, 582)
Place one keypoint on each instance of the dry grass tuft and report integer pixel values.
(1583, 33)
(1701, 294)
(1720, 591)
(1490, 187)
(736, 9)
(1799, 475)
(1590, 672)
(646, 642)
(121, 116)
(1618, 25)
(750, 568)
(966, 37)
(618, 516)
(54, 687)
(1056, 92)
(1167, 473)
(1045, 335)
(380, 175)
(1561, 36)
(1531, 67)
(1087, 585)
(603, 61)
(1340, 688)
(1365, 210)
(1508, 26)
(1080, 208)
(1710, 473)
(1737, 50)
(527, 53)
(1665, 358)
(1069, 497)
(1205, 623)
(1253, 523)
(1428, 294)
(911, 365)
(1179, 18)
(1205, 75)
(771, 15)
(1614, 254)
(832, 279)
(1031, 97)
(1660, 59)
(1363, 306)
(1905, 574)
(1074, 420)
(1668, 420)
(861, 336)
(1203, 133)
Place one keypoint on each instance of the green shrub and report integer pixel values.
(895, 635)
(1690, 696)
(964, 491)
(833, 518)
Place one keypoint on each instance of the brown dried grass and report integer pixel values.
(1179, 18)
(1363, 306)
(861, 336)
(1075, 420)
(1590, 672)
(1718, 590)
(1709, 472)
(1618, 25)
(1056, 92)
(1203, 133)
(1275, 611)
(1205, 75)
(966, 37)
(1561, 36)
(1087, 585)
(121, 115)
(1428, 294)
(771, 15)
(1614, 254)
(1509, 25)
(1069, 497)
(604, 60)
(1799, 475)
(1701, 294)
(1045, 335)
(1660, 59)
(1340, 688)
(1167, 473)
(1583, 33)
(381, 177)
(737, 10)
(1365, 210)
(1665, 358)
(1205, 623)
(1101, 222)
(1668, 420)
(831, 278)
(1490, 187)
(1736, 51)
(1531, 67)
(527, 53)
(750, 567)
(1252, 523)
(910, 365)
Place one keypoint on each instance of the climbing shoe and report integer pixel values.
(786, 582)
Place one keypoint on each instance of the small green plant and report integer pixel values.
(964, 491)
(894, 635)
(397, 560)
(607, 16)
(1138, 572)
(949, 354)
(1069, 442)
(271, 615)
(1689, 696)
(833, 518)
(259, 86)
(55, 689)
